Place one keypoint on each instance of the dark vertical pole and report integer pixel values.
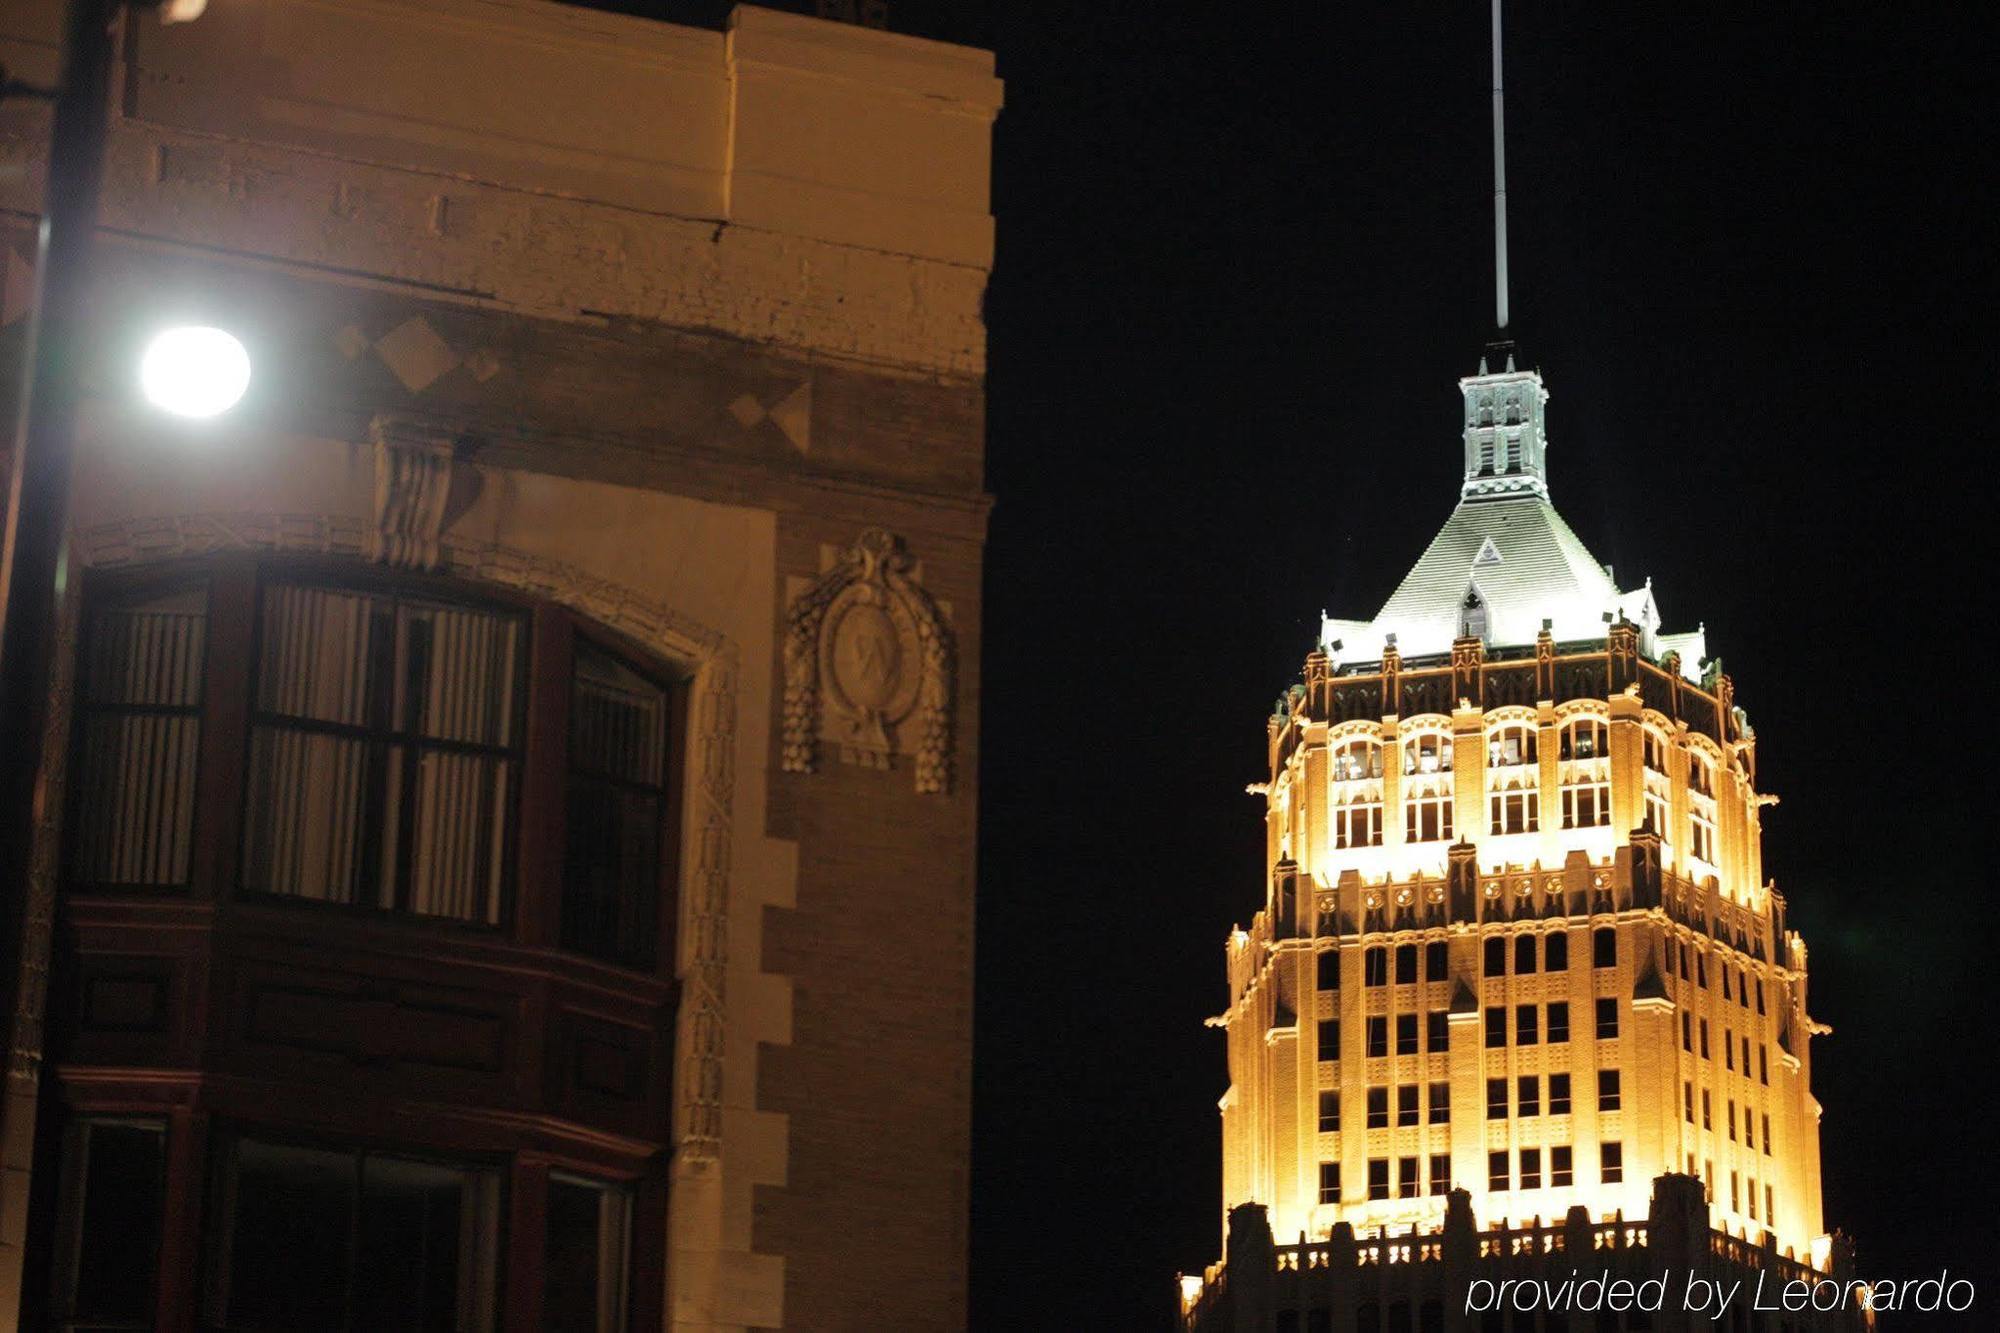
(32, 562)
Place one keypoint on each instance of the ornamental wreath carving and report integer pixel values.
(869, 662)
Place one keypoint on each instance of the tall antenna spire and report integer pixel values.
(1499, 181)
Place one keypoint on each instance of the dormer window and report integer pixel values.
(1472, 615)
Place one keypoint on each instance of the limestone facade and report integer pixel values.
(671, 331)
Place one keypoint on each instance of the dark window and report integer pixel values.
(1375, 967)
(1440, 1173)
(1329, 1182)
(1611, 1158)
(1526, 1026)
(617, 811)
(1496, 1027)
(1531, 1168)
(1438, 1029)
(1408, 1183)
(1406, 1034)
(1556, 952)
(1437, 962)
(1406, 964)
(1558, 1094)
(1329, 1039)
(1528, 1091)
(139, 688)
(1604, 947)
(1496, 1170)
(1378, 1108)
(385, 742)
(1329, 969)
(1687, 1031)
(1407, 1110)
(1496, 956)
(1378, 1177)
(1496, 1099)
(317, 1239)
(1704, 1039)
(1329, 1112)
(1608, 1098)
(1607, 1017)
(1559, 1021)
(113, 1194)
(1378, 1035)
(583, 1274)
(1524, 955)
(1440, 1103)
(1559, 1166)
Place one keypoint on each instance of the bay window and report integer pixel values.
(385, 755)
(315, 1238)
(360, 741)
(138, 731)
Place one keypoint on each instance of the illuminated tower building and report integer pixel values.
(1519, 1001)
(1517, 937)
(1518, 997)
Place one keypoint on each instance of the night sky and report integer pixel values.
(1244, 256)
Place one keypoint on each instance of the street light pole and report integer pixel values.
(33, 562)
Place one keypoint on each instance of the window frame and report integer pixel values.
(530, 909)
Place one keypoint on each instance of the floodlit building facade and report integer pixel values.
(1516, 941)
(510, 862)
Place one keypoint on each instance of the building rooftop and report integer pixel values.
(1505, 565)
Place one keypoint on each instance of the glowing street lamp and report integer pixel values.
(194, 371)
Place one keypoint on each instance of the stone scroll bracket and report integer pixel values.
(418, 489)
(870, 666)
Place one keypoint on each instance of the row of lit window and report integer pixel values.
(1408, 1184)
(1730, 1045)
(1509, 745)
(1610, 1167)
(1529, 1030)
(1410, 1105)
(1528, 1095)
(1553, 953)
(1437, 1035)
(1707, 1118)
(1736, 1199)
(1429, 817)
(1744, 982)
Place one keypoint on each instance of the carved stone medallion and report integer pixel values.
(868, 666)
